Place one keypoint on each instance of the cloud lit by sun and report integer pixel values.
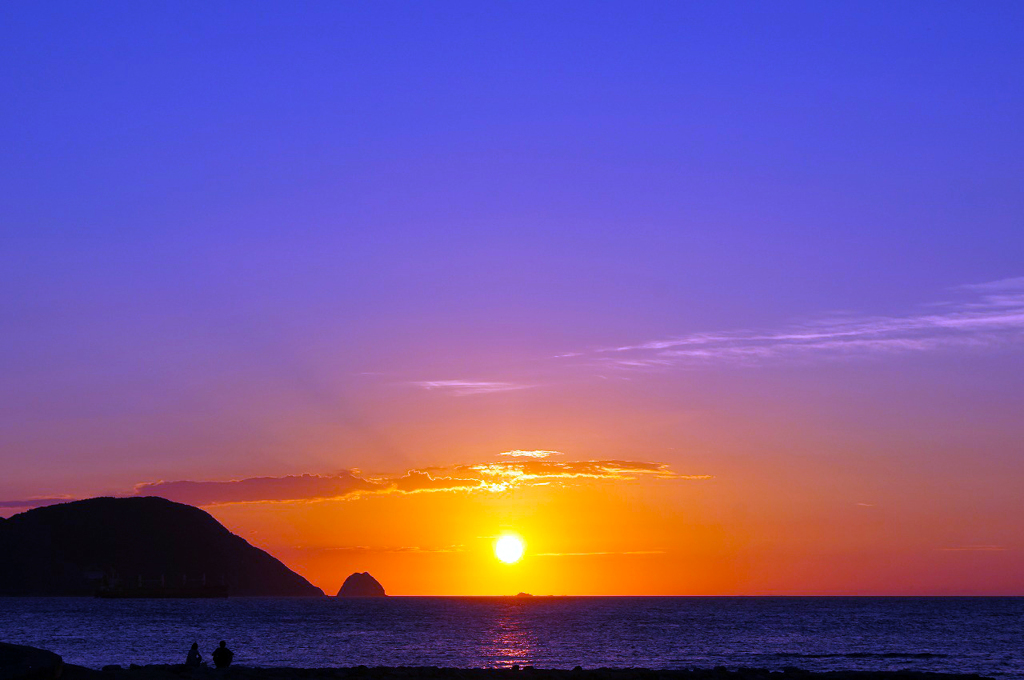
(509, 548)
(529, 454)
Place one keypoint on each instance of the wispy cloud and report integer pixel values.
(415, 481)
(487, 477)
(530, 454)
(608, 552)
(372, 549)
(35, 502)
(542, 470)
(261, 489)
(985, 315)
(463, 388)
(997, 287)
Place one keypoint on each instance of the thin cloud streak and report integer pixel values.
(464, 388)
(490, 477)
(609, 552)
(993, 317)
(534, 470)
(259, 489)
(37, 502)
(530, 454)
(372, 549)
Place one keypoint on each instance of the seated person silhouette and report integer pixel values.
(194, 658)
(222, 656)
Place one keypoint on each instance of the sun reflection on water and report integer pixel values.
(510, 640)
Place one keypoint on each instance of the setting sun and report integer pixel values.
(509, 548)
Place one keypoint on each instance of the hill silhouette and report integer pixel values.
(361, 585)
(67, 549)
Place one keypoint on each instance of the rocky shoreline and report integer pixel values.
(28, 663)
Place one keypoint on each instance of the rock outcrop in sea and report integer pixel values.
(132, 547)
(361, 585)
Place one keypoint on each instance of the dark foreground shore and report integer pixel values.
(28, 663)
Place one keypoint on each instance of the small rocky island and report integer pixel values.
(361, 585)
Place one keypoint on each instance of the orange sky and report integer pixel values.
(852, 479)
(640, 534)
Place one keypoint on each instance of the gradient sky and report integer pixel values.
(751, 273)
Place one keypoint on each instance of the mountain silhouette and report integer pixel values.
(71, 548)
(361, 585)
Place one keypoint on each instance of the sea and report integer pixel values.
(953, 635)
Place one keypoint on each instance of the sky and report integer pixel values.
(696, 298)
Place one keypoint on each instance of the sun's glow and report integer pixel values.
(509, 548)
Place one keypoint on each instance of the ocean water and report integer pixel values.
(966, 635)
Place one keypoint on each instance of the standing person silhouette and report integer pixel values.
(222, 656)
(194, 658)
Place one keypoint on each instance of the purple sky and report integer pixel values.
(273, 239)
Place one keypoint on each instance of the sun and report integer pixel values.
(509, 548)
